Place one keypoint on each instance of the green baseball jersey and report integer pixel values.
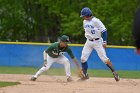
(55, 50)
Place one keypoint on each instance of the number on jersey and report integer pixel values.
(93, 31)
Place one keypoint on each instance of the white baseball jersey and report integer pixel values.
(93, 28)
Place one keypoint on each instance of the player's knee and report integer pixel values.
(108, 62)
(104, 59)
(44, 68)
(83, 60)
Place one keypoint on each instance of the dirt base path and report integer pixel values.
(58, 84)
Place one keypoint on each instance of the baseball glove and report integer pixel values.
(80, 73)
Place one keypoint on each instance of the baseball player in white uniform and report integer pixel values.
(96, 35)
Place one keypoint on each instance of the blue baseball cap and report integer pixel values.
(86, 12)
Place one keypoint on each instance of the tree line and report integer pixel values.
(47, 20)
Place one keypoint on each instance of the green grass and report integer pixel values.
(4, 83)
(61, 71)
(17, 70)
(122, 73)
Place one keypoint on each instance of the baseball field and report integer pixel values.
(54, 81)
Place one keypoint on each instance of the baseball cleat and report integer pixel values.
(69, 79)
(116, 76)
(33, 78)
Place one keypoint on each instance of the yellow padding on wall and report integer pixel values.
(36, 43)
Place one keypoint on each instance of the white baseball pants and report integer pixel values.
(61, 60)
(89, 46)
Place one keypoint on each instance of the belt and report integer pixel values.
(94, 39)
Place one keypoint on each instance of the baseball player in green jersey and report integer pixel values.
(54, 53)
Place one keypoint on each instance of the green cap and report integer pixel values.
(65, 38)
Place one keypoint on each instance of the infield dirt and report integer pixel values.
(58, 84)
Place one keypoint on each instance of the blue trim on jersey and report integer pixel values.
(104, 35)
(104, 30)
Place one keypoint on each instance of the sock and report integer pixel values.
(111, 68)
(85, 67)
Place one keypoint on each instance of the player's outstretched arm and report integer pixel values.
(79, 69)
(76, 63)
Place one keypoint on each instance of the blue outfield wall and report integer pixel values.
(19, 54)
